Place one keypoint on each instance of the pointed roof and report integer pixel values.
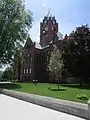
(28, 42)
(49, 13)
(60, 35)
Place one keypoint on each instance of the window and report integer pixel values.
(30, 70)
(31, 58)
(52, 28)
(27, 71)
(48, 53)
(53, 22)
(28, 55)
(45, 21)
(24, 71)
(43, 31)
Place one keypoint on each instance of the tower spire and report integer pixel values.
(49, 13)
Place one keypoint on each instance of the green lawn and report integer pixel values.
(67, 92)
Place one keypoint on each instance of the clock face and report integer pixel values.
(46, 28)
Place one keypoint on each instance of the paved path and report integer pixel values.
(14, 109)
(5, 82)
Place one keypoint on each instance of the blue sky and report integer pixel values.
(68, 13)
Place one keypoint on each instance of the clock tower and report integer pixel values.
(48, 30)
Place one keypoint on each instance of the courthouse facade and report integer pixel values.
(37, 55)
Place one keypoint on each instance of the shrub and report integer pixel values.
(82, 97)
(49, 87)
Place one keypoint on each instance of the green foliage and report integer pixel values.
(66, 92)
(8, 74)
(77, 54)
(15, 22)
(49, 88)
(1, 73)
(55, 64)
(82, 97)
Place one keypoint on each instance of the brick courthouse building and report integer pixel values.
(36, 57)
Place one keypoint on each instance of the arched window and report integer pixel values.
(27, 71)
(53, 22)
(30, 70)
(31, 58)
(24, 71)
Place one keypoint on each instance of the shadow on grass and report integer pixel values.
(10, 86)
(54, 89)
(77, 86)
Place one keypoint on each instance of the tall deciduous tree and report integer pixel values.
(56, 64)
(78, 52)
(15, 21)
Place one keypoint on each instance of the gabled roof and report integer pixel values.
(37, 45)
(60, 36)
(29, 42)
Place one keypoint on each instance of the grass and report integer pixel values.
(67, 92)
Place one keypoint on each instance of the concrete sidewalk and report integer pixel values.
(69, 107)
(14, 109)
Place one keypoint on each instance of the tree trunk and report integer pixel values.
(57, 76)
(58, 84)
(54, 78)
(81, 79)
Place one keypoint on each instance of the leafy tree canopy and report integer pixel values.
(15, 21)
(78, 52)
(8, 74)
(55, 64)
